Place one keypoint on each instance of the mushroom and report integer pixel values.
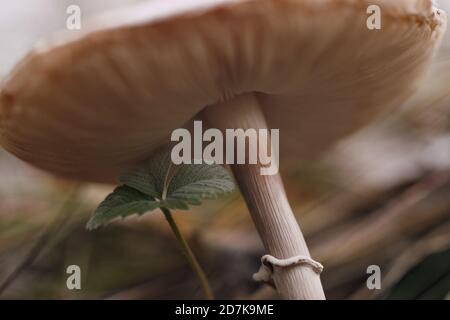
(90, 106)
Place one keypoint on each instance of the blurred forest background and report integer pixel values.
(381, 197)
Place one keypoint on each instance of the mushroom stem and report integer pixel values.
(267, 202)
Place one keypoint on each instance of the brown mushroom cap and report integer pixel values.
(91, 106)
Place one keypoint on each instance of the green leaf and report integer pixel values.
(123, 202)
(158, 183)
(193, 183)
(430, 279)
(149, 178)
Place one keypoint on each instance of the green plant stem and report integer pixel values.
(189, 255)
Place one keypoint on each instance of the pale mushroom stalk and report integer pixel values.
(266, 199)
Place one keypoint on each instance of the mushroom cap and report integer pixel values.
(90, 106)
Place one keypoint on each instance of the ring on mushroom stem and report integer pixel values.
(91, 107)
